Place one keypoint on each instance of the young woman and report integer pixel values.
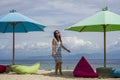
(56, 51)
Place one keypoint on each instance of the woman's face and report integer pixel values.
(57, 33)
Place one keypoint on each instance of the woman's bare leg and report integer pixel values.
(60, 68)
(56, 68)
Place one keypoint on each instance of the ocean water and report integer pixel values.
(68, 64)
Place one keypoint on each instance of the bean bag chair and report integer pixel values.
(22, 69)
(2, 68)
(115, 72)
(83, 69)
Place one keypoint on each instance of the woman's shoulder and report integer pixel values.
(53, 40)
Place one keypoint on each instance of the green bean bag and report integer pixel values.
(22, 69)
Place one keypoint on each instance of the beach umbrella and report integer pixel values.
(103, 21)
(15, 22)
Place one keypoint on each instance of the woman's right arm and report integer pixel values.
(53, 47)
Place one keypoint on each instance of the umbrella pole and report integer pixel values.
(13, 62)
(104, 26)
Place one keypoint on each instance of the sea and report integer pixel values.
(68, 64)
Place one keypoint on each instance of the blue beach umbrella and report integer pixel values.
(15, 22)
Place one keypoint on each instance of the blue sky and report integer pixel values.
(57, 14)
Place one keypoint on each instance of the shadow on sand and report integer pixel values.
(66, 74)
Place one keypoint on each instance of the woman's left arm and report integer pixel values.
(65, 48)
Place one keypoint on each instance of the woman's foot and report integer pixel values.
(60, 72)
(56, 72)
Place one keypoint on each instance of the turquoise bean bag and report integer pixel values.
(116, 72)
(22, 69)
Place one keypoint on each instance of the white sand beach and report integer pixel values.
(47, 75)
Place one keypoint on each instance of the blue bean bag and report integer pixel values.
(115, 72)
(22, 69)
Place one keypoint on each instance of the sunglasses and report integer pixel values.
(57, 32)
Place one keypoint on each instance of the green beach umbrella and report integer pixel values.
(102, 21)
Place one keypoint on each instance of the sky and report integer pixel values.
(57, 15)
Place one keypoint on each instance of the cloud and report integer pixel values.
(2, 46)
(50, 12)
(77, 44)
(115, 45)
(32, 45)
(4, 42)
(57, 14)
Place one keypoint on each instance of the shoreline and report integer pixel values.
(47, 75)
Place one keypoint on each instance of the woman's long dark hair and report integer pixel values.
(55, 36)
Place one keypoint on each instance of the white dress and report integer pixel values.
(58, 56)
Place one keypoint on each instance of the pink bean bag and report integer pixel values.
(83, 69)
(2, 68)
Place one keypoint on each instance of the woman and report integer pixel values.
(56, 51)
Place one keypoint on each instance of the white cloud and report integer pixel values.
(77, 44)
(63, 12)
(4, 42)
(2, 46)
(57, 13)
(50, 12)
(115, 45)
(32, 45)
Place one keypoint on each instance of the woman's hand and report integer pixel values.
(65, 49)
(69, 51)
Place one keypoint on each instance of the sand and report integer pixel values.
(47, 75)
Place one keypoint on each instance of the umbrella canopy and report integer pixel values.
(15, 22)
(21, 23)
(102, 21)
